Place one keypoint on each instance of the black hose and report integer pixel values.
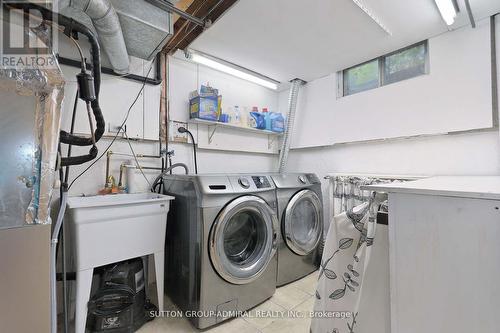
(170, 163)
(194, 151)
(95, 52)
(77, 160)
(160, 190)
(72, 129)
(70, 27)
(159, 180)
(68, 138)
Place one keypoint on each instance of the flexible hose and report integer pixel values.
(172, 167)
(194, 152)
(53, 247)
(292, 107)
(167, 170)
(72, 26)
(77, 160)
(95, 52)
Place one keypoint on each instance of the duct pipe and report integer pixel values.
(109, 30)
(292, 106)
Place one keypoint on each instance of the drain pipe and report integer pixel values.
(292, 106)
(109, 30)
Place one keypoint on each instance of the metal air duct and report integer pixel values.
(106, 23)
(292, 106)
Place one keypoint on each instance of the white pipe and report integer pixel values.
(292, 106)
(109, 31)
(53, 246)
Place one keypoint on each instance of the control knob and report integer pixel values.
(244, 182)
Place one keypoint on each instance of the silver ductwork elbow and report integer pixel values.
(292, 107)
(109, 31)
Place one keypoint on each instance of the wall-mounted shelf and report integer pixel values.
(213, 125)
(227, 125)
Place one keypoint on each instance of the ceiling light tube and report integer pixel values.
(448, 10)
(231, 69)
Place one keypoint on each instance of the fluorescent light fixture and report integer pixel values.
(448, 10)
(375, 19)
(232, 69)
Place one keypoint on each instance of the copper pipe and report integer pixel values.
(120, 180)
(108, 161)
(147, 168)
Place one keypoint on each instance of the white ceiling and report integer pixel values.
(286, 39)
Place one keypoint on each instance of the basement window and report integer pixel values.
(400, 65)
(361, 77)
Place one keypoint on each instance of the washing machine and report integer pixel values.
(300, 214)
(221, 244)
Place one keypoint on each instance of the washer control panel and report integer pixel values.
(245, 183)
(261, 182)
(250, 183)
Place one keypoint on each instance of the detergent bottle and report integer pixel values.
(251, 120)
(244, 117)
(257, 119)
(229, 114)
(267, 118)
(277, 122)
(236, 116)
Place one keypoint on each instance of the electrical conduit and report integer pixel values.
(292, 107)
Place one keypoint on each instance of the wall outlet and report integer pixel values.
(173, 133)
(114, 128)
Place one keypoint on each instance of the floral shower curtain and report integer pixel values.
(345, 258)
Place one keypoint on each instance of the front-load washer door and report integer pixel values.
(303, 222)
(243, 239)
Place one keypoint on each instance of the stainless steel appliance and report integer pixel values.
(220, 246)
(300, 211)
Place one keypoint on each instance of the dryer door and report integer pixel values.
(243, 239)
(303, 222)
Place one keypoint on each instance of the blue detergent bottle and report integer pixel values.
(257, 119)
(277, 122)
(267, 118)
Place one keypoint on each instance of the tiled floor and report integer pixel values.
(297, 297)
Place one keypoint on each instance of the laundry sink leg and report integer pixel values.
(83, 285)
(159, 258)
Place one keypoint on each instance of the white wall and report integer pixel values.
(441, 101)
(460, 154)
(469, 153)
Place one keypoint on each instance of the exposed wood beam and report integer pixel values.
(185, 32)
(182, 5)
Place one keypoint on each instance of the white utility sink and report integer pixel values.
(110, 228)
